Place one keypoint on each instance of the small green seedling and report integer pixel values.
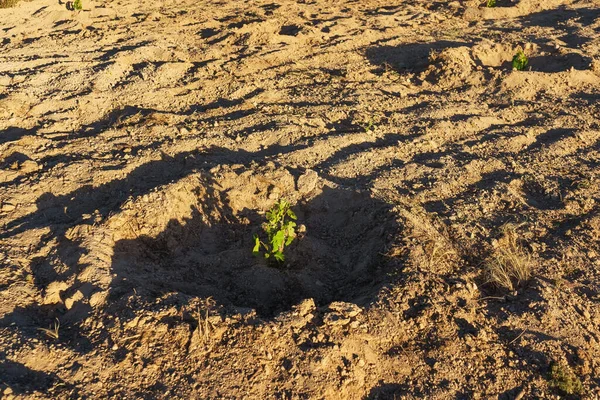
(490, 3)
(281, 232)
(369, 125)
(564, 379)
(520, 61)
(77, 5)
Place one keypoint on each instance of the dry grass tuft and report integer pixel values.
(53, 331)
(204, 325)
(439, 253)
(510, 265)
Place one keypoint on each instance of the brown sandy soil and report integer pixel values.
(141, 143)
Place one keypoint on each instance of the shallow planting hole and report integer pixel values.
(206, 250)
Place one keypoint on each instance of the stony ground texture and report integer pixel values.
(141, 143)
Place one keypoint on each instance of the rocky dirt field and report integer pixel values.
(142, 142)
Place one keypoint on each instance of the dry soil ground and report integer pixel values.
(141, 143)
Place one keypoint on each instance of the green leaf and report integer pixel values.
(279, 256)
(290, 233)
(520, 61)
(280, 229)
(291, 214)
(256, 249)
(289, 240)
(277, 241)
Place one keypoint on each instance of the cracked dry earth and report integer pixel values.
(141, 143)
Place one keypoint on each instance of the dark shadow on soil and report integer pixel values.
(23, 380)
(465, 328)
(12, 134)
(588, 98)
(565, 19)
(117, 154)
(559, 63)
(407, 58)
(110, 53)
(61, 212)
(504, 3)
(510, 394)
(528, 299)
(389, 140)
(389, 391)
(550, 137)
(338, 258)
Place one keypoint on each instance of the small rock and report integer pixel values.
(347, 309)
(591, 254)
(306, 307)
(29, 166)
(307, 182)
(133, 323)
(8, 207)
(334, 319)
(53, 292)
(98, 299)
(217, 319)
(472, 286)
(71, 301)
(585, 313)
(274, 193)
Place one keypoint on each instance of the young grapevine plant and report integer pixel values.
(520, 61)
(281, 232)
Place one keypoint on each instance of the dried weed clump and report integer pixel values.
(509, 266)
(439, 253)
(53, 332)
